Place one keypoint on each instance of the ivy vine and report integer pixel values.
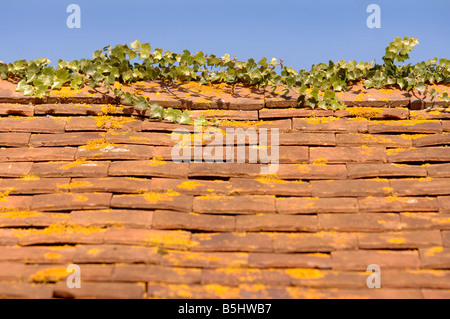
(316, 87)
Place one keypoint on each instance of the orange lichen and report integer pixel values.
(65, 92)
(28, 177)
(210, 196)
(174, 239)
(246, 124)
(398, 241)
(156, 161)
(155, 196)
(320, 162)
(271, 179)
(190, 185)
(432, 251)
(79, 162)
(97, 144)
(48, 275)
(5, 194)
(19, 214)
(114, 122)
(59, 228)
(320, 120)
(364, 112)
(94, 251)
(52, 256)
(304, 273)
(75, 184)
(413, 136)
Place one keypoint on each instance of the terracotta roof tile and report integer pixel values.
(94, 184)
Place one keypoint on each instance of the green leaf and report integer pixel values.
(172, 114)
(156, 111)
(185, 118)
(141, 103)
(136, 45)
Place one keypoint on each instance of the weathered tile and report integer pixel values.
(386, 259)
(192, 221)
(170, 200)
(41, 154)
(245, 204)
(350, 188)
(344, 155)
(311, 205)
(397, 240)
(69, 201)
(359, 222)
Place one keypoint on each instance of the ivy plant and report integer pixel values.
(137, 62)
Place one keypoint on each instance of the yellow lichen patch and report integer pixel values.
(140, 139)
(211, 196)
(82, 105)
(364, 112)
(97, 144)
(304, 168)
(59, 229)
(79, 162)
(154, 197)
(65, 92)
(52, 256)
(423, 115)
(49, 275)
(403, 122)
(246, 124)
(219, 291)
(80, 198)
(190, 185)
(156, 161)
(413, 136)
(5, 194)
(20, 214)
(398, 241)
(388, 189)
(203, 101)
(271, 179)
(75, 184)
(432, 251)
(395, 151)
(175, 239)
(94, 251)
(385, 91)
(110, 109)
(114, 122)
(320, 120)
(304, 273)
(28, 177)
(359, 97)
(320, 162)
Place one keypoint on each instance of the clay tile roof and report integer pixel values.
(87, 182)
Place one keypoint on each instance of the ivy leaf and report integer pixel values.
(185, 118)
(171, 114)
(141, 103)
(201, 120)
(156, 111)
(200, 58)
(136, 45)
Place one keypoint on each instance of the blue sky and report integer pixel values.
(302, 33)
